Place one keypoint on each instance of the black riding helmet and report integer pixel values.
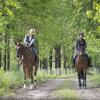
(81, 34)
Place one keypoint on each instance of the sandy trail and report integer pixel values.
(91, 93)
(44, 92)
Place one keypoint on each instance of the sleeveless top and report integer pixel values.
(29, 39)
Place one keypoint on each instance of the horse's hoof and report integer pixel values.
(31, 86)
(35, 86)
(80, 87)
(85, 87)
(24, 87)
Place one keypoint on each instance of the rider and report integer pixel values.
(30, 41)
(80, 43)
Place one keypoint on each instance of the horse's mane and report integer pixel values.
(25, 47)
(27, 50)
(22, 44)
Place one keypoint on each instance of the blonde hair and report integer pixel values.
(32, 31)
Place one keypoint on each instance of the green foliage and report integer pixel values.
(95, 79)
(3, 82)
(15, 79)
(57, 22)
(3, 79)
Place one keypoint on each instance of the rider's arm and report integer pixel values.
(25, 40)
(85, 44)
(77, 45)
(32, 41)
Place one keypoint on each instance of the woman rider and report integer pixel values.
(81, 43)
(30, 41)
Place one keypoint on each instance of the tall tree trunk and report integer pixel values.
(58, 59)
(1, 38)
(40, 64)
(65, 63)
(50, 61)
(0, 58)
(8, 57)
(8, 49)
(45, 64)
(5, 53)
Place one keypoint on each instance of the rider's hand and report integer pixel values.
(29, 45)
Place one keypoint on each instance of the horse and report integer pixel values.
(81, 66)
(29, 61)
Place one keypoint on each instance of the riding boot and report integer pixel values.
(74, 59)
(73, 64)
(36, 55)
(89, 61)
(90, 65)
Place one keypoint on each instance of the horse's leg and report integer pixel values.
(82, 77)
(85, 80)
(32, 82)
(79, 79)
(35, 69)
(24, 82)
(35, 73)
(24, 79)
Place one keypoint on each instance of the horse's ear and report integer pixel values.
(17, 42)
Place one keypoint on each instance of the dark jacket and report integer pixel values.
(80, 43)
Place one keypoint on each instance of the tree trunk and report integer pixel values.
(40, 64)
(65, 63)
(45, 64)
(5, 53)
(8, 49)
(1, 38)
(58, 60)
(4, 59)
(50, 61)
(0, 58)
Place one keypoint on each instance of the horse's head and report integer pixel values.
(19, 48)
(81, 51)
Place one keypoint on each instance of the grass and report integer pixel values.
(95, 77)
(14, 79)
(66, 91)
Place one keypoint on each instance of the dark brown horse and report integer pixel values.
(81, 65)
(30, 62)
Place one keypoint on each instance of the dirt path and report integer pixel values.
(45, 91)
(42, 92)
(91, 93)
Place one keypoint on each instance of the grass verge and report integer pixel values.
(66, 91)
(15, 79)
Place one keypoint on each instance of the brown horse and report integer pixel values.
(30, 62)
(81, 65)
